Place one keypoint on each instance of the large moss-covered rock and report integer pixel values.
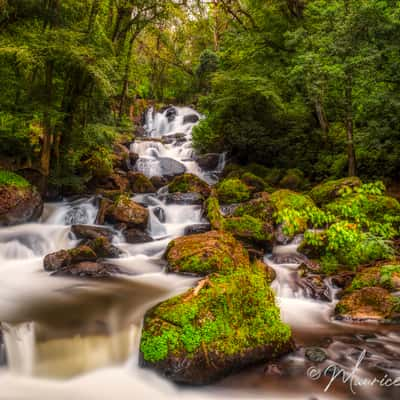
(139, 183)
(20, 202)
(189, 183)
(226, 323)
(330, 190)
(293, 211)
(205, 253)
(386, 275)
(254, 182)
(233, 191)
(126, 211)
(213, 212)
(368, 303)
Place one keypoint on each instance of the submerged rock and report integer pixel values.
(226, 323)
(160, 214)
(205, 253)
(208, 162)
(135, 236)
(183, 198)
(316, 287)
(170, 167)
(88, 269)
(20, 202)
(197, 228)
(316, 354)
(89, 232)
(190, 119)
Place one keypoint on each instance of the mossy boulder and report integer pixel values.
(233, 191)
(293, 179)
(385, 275)
(189, 183)
(226, 323)
(250, 230)
(332, 189)
(260, 207)
(368, 303)
(20, 202)
(204, 253)
(65, 258)
(126, 211)
(254, 182)
(292, 211)
(139, 183)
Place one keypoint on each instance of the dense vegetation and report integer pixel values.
(311, 85)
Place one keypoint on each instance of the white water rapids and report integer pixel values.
(68, 338)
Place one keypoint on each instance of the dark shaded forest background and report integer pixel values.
(311, 85)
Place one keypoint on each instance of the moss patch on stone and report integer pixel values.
(205, 253)
(229, 314)
(330, 190)
(8, 178)
(254, 182)
(233, 191)
(214, 213)
(293, 179)
(386, 276)
(249, 228)
(189, 183)
(139, 183)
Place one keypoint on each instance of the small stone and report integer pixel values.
(316, 354)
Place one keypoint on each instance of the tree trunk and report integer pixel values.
(350, 126)
(323, 121)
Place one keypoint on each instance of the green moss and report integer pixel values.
(293, 179)
(248, 227)
(140, 183)
(8, 178)
(214, 214)
(376, 276)
(229, 314)
(205, 253)
(261, 208)
(256, 183)
(330, 190)
(232, 191)
(189, 183)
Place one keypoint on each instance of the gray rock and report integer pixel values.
(170, 167)
(183, 198)
(316, 354)
(190, 119)
(208, 162)
(134, 236)
(91, 232)
(197, 228)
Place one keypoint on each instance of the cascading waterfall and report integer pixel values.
(88, 331)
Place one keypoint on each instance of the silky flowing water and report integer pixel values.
(71, 338)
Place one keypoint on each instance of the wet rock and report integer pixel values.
(121, 157)
(370, 303)
(189, 183)
(205, 253)
(160, 214)
(76, 215)
(280, 236)
(197, 228)
(170, 167)
(88, 232)
(190, 119)
(103, 207)
(315, 287)
(343, 279)
(64, 258)
(158, 181)
(139, 183)
(208, 162)
(224, 324)
(115, 181)
(228, 210)
(183, 198)
(135, 236)
(103, 248)
(124, 210)
(179, 138)
(316, 354)
(20, 202)
(133, 157)
(3, 356)
(171, 113)
(87, 269)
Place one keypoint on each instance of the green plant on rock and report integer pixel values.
(250, 228)
(232, 191)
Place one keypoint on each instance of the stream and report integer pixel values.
(69, 338)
